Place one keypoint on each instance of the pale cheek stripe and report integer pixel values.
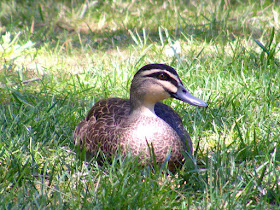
(168, 87)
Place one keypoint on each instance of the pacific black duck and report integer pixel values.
(132, 124)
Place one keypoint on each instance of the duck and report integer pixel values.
(142, 122)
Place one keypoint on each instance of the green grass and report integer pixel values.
(83, 52)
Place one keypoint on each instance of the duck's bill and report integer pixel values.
(183, 95)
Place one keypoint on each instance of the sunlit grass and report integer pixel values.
(82, 52)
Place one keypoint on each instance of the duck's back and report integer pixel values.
(102, 125)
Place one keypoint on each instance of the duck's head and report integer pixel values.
(155, 82)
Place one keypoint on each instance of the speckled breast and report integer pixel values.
(145, 132)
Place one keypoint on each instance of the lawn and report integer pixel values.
(57, 58)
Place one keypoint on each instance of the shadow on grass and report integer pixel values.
(54, 22)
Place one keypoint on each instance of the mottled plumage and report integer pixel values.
(132, 124)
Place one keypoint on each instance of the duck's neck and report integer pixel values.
(142, 108)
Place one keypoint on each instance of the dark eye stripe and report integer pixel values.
(168, 78)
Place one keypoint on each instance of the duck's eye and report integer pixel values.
(162, 76)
